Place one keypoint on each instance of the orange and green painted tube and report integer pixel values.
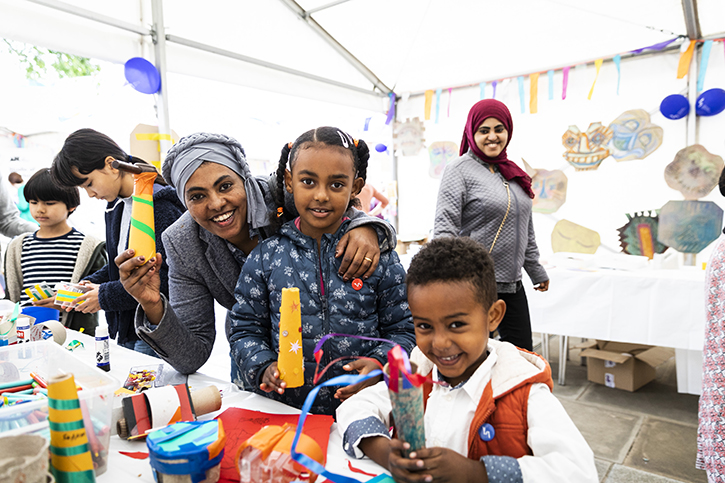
(142, 237)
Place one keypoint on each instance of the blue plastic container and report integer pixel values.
(41, 314)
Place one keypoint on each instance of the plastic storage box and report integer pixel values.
(46, 359)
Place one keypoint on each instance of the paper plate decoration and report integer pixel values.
(549, 188)
(710, 102)
(634, 136)
(639, 235)
(142, 75)
(570, 237)
(694, 172)
(441, 153)
(408, 136)
(689, 226)
(675, 106)
(586, 150)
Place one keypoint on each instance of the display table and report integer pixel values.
(122, 468)
(656, 307)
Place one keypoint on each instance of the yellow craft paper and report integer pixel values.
(142, 237)
(290, 362)
(598, 65)
(684, 65)
(534, 93)
(428, 103)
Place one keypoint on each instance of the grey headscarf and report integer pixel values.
(187, 155)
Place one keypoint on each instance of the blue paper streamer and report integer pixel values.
(550, 74)
(438, 103)
(706, 47)
(367, 123)
(494, 84)
(482, 85)
(617, 61)
(391, 110)
(522, 97)
(305, 460)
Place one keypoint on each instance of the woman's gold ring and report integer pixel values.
(368, 259)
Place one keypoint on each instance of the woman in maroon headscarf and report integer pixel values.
(485, 196)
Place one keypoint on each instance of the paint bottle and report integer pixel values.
(103, 352)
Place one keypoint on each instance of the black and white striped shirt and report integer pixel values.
(50, 260)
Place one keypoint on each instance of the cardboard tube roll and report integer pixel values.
(142, 237)
(206, 400)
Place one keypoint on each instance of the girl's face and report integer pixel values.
(491, 137)
(323, 183)
(107, 183)
(216, 199)
(48, 214)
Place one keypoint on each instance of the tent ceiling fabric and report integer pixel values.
(411, 45)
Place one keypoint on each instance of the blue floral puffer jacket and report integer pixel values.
(290, 259)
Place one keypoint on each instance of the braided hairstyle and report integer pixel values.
(87, 150)
(315, 138)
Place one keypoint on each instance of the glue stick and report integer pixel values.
(103, 353)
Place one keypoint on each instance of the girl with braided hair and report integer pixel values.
(324, 170)
(228, 215)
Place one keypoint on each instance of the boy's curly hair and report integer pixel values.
(452, 259)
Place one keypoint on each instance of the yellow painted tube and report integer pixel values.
(142, 237)
(290, 363)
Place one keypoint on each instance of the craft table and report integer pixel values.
(123, 468)
(656, 307)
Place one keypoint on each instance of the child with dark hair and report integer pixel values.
(86, 160)
(489, 414)
(57, 252)
(324, 170)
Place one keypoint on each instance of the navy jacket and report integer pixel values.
(119, 306)
(290, 259)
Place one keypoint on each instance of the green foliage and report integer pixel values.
(35, 61)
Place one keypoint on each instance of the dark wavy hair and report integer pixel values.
(455, 259)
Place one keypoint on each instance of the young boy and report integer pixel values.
(490, 416)
(56, 252)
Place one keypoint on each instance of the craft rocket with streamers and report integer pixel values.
(290, 361)
(142, 237)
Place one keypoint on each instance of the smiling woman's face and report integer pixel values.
(216, 199)
(491, 137)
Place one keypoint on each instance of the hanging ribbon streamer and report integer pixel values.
(391, 109)
(428, 103)
(565, 81)
(482, 87)
(494, 84)
(706, 48)
(522, 96)
(658, 46)
(438, 104)
(550, 75)
(684, 65)
(367, 123)
(598, 65)
(450, 94)
(534, 93)
(617, 61)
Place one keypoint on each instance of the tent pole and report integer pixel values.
(162, 96)
(691, 134)
(90, 15)
(396, 176)
(692, 19)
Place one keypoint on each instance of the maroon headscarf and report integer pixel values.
(481, 111)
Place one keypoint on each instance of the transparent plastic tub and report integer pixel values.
(46, 359)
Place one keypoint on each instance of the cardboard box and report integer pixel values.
(622, 365)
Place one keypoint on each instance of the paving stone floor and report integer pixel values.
(649, 435)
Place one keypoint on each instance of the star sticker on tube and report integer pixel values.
(294, 306)
(295, 346)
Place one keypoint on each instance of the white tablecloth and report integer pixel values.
(657, 307)
(123, 468)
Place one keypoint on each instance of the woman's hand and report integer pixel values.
(90, 303)
(433, 465)
(360, 251)
(362, 366)
(271, 381)
(142, 282)
(542, 287)
(48, 303)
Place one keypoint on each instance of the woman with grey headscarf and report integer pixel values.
(228, 214)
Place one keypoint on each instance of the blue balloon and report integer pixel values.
(381, 148)
(142, 75)
(675, 106)
(710, 102)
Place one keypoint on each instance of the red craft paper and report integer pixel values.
(139, 455)
(241, 424)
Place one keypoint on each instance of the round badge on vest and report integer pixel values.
(486, 432)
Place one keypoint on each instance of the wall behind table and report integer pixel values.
(596, 199)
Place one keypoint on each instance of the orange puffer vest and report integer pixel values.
(506, 413)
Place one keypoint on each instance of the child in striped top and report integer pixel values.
(56, 252)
